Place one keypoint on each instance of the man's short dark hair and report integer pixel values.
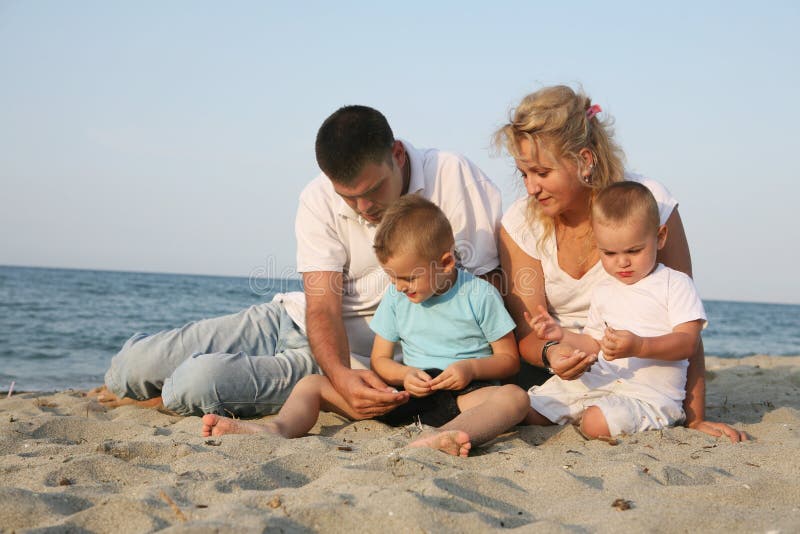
(351, 137)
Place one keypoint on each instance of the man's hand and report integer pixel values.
(544, 325)
(569, 363)
(366, 393)
(417, 382)
(457, 376)
(620, 344)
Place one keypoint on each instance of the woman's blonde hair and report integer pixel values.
(559, 118)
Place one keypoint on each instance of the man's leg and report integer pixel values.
(241, 384)
(145, 363)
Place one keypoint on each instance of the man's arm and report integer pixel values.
(363, 390)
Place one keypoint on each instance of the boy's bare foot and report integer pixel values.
(454, 442)
(217, 425)
(104, 396)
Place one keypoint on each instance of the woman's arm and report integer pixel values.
(525, 293)
(675, 255)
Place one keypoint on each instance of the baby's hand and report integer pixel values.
(456, 376)
(417, 383)
(620, 344)
(544, 325)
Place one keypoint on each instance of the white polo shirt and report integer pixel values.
(331, 236)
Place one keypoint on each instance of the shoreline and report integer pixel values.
(67, 463)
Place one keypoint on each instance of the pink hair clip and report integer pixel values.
(592, 111)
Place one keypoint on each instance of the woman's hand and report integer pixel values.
(716, 429)
(567, 362)
(544, 325)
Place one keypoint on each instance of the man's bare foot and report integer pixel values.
(217, 425)
(454, 442)
(104, 396)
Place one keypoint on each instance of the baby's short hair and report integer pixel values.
(622, 202)
(413, 225)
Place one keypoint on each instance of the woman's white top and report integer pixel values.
(567, 298)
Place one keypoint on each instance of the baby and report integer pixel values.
(644, 323)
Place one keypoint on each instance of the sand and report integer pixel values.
(67, 464)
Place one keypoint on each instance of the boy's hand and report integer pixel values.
(544, 325)
(456, 376)
(417, 383)
(620, 344)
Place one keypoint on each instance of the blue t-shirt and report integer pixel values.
(446, 328)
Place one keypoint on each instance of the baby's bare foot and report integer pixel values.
(217, 425)
(454, 442)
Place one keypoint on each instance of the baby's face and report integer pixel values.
(628, 252)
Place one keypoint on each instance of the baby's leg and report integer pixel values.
(594, 424)
(298, 415)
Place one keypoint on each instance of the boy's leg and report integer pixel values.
(485, 414)
(299, 414)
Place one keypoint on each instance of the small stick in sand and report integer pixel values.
(11, 389)
(174, 506)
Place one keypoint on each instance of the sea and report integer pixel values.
(59, 328)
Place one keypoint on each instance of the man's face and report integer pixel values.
(377, 186)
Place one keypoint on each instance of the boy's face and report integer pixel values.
(628, 251)
(420, 279)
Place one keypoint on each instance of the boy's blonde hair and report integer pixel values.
(626, 203)
(558, 118)
(413, 225)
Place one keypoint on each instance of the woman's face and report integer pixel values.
(554, 182)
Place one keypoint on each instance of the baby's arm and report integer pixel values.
(503, 363)
(547, 328)
(679, 344)
(413, 380)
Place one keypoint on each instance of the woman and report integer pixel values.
(565, 154)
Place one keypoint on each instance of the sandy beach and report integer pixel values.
(67, 464)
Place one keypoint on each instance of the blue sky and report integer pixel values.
(176, 136)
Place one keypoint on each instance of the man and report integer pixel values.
(247, 363)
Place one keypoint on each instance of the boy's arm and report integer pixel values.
(383, 363)
(415, 381)
(503, 363)
(679, 344)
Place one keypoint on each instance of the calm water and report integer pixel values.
(59, 328)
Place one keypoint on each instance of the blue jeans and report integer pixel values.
(244, 364)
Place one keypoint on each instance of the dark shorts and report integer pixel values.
(436, 409)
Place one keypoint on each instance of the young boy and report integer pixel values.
(644, 322)
(455, 334)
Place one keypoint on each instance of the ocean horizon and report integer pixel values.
(60, 327)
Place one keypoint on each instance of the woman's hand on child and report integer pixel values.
(544, 325)
(457, 376)
(570, 363)
(620, 344)
(417, 382)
